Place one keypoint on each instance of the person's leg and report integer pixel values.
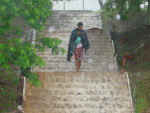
(76, 61)
(123, 63)
(79, 65)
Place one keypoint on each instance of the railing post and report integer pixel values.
(64, 6)
(31, 35)
(83, 4)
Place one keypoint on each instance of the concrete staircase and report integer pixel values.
(68, 20)
(79, 92)
(98, 88)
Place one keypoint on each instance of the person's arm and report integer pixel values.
(71, 46)
(86, 44)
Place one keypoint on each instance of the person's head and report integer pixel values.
(80, 25)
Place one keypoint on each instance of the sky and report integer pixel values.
(77, 5)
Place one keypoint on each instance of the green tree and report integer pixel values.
(148, 10)
(134, 5)
(126, 7)
(16, 52)
(34, 12)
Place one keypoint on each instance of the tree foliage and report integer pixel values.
(125, 7)
(15, 52)
(34, 12)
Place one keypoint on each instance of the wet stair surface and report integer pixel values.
(79, 92)
(99, 57)
(97, 88)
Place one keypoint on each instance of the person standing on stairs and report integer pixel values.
(78, 45)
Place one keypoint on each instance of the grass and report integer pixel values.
(139, 67)
(8, 92)
(140, 85)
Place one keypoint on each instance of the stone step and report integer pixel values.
(74, 105)
(87, 61)
(69, 26)
(93, 60)
(50, 90)
(88, 77)
(94, 52)
(98, 37)
(68, 32)
(74, 85)
(99, 47)
(80, 98)
(96, 34)
(100, 50)
(95, 47)
(87, 110)
(107, 45)
(98, 40)
(87, 30)
(76, 95)
(78, 19)
(59, 99)
(78, 74)
(91, 38)
(84, 14)
(48, 55)
(91, 68)
(72, 24)
(69, 29)
(89, 54)
(74, 19)
(50, 68)
(93, 44)
(67, 69)
(84, 85)
(75, 14)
